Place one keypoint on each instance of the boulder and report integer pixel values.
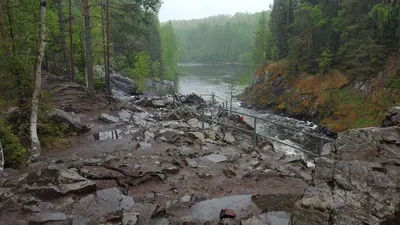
(192, 99)
(392, 118)
(44, 217)
(359, 184)
(108, 118)
(159, 88)
(74, 123)
(103, 202)
(51, 183)
(123, 84)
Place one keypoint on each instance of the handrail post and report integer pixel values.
(231, 96)
(202, 118)
(255, 132)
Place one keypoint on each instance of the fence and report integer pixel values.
(256, 119)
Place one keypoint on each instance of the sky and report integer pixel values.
(195, 9)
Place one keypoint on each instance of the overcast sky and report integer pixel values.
(194, 9)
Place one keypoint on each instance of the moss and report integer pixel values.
(14, 154)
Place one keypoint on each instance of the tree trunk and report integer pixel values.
(71, 48)
(63, 42)
(35, 143)
(1, 158)
(2, 29)
(107, 68)
(88, 44)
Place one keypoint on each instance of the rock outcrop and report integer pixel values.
(392, 118)
(70, 119)
(158, 88)
(359, 183)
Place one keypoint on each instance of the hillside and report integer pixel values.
(329, 62)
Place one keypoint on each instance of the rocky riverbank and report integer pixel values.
(334, 99)
(147, 161)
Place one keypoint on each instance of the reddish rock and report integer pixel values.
(227, 213)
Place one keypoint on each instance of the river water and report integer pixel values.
(218, 79)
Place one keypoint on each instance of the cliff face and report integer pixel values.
(336, 100)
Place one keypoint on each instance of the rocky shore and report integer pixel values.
(147, 161)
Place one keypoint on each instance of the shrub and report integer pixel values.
(15, 155)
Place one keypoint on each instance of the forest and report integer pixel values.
(318, 36)
(335, 62)
(69, 38)
(221, 38)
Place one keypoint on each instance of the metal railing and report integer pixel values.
(254, 131)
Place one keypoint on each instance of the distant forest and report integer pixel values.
(221, 38)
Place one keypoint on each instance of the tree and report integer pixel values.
(259, 47)
(107, 61)
(35, 143)
(88, 46)
(61, 21)
(169, 50)
(71, 48)
(2, 29)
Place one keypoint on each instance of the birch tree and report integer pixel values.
(35, 143)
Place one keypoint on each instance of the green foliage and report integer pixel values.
(15, 156)
(394, 82)
(141, 70)
(325, 61)
(359, 35)
(260, 39)
(169, 51)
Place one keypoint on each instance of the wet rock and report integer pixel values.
(186, 198)
(172, 136)
(192, 99)
(121, 96)
(197, 136)
(280, 201)
(271, 218)
(130, 218)
(215, 158)
(204, 175)
(229, 173)
(392, 118)
(125, 115)
(161, 221)
(254, 162)
(171, 170)
(31, 209)
(143, 145)
(327, 149)
(108, 118)
(51, 183)
(44, 217)
(191, 162)
(123, 84)
(227, 213)
(208, 211)
(228, 138)
(193, 122)
(70, 119)
(148, 136)
(80, 220)
(146, 212)
(112, 218)
(324, 168)
(99, 172)
(103, 202)
(358, 183)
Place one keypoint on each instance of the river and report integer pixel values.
(218, 79)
